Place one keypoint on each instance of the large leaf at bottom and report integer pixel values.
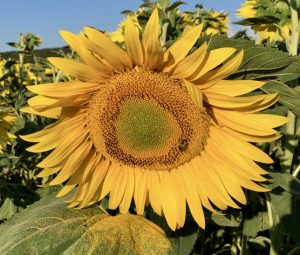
(46, 227)
(50, 227)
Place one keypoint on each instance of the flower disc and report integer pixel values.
(146, 119)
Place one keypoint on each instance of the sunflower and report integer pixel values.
(7, 120)
(118, 35)
(160, 128)
(266, 32)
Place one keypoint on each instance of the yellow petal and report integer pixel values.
(53, 129)
(228, 102)
(133, 43)
(181, 47)
(62, 152)
(229, 180)
(268, 100)
(75, 42)
(154, 194)
(246, 149)
(128, 193)
(252, 124)
(234, 87)
(252, 138)
(151, 43)
(192, 196)
(102, 45)
(224, 71)
(109, 180)
(48, 171)
(78, 70)
(140, 189)
(53, 113)
(64, 89)
(206, 185)
(96, 179)
(170, 201)
(189, 66)
(213, 179)
(213, 59)
(195, 93)
(118, 189)
(72, 164)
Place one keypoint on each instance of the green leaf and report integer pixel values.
(184, 239)
(123, 235)
(256, 223)
(289, 97)
(224, 220)
(46, 227)
(259, 62)
(286, 181)
(7, 209)
(257, 20)
(287, 206)
(50, 227)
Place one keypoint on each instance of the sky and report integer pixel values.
(46, 18)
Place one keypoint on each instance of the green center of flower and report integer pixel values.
(143, 125)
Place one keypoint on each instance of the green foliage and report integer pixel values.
(50, 227)
(287, 207)
(183, 240)
(17, 166)
(268, 64)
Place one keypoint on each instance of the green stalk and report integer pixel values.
(164, 33)
(276, 228)
(293, 49)
(21, 60)
(291, 125)
(291, 142)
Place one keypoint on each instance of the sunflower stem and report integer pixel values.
(293, 47)
(291, 142)
(275, 228)
(164, 33)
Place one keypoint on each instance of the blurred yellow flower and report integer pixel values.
(266, 32)
(118, 35)
(7, 120)
(160, 127)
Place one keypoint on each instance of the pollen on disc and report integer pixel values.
(146, 119)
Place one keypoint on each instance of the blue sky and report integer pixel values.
(46, 18)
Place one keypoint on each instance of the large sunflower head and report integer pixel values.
(155, 127)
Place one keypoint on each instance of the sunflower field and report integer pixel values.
(169, 136)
